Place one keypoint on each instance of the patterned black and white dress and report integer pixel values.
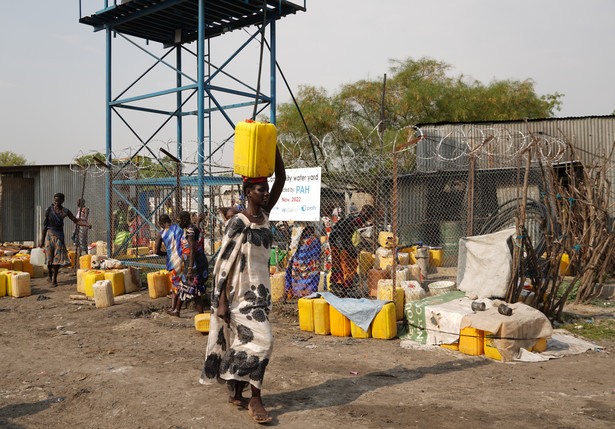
(240, 351)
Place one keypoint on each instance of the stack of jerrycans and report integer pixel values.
(316, 315)
(14, 283)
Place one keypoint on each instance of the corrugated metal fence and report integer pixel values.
(29, 190)
(591, 136)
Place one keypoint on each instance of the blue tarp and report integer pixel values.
(360, 311)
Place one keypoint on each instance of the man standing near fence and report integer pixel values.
(80, 233)
(343, 253)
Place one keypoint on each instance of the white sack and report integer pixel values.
(484, 267)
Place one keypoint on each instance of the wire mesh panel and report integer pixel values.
(379, 207)
(444, 185)
(140, 191)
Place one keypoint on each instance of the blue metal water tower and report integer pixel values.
(174, 24)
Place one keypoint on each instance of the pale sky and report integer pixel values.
(52, 71)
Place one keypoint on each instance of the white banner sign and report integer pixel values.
(300, 199)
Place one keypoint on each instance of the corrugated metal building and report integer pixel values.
(27, 191)
(591, 136)
(433, 198)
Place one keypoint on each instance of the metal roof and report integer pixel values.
(511, 121)
(161, 20)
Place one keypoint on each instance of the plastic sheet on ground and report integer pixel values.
(438, 320)
(560, 345)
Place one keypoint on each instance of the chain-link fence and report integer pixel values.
(396, 211)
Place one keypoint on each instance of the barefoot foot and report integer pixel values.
(239, 402)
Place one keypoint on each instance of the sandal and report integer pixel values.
(260, 418)
(173, 313)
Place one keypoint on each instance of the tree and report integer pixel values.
(417, 91)
(139, 167)
(11, 158)
(87, 160)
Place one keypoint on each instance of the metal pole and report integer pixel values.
(200, 103)
(178, 60)
(470, 214)
(394, 276)
(211, 195)
(178, 192)
(109, 145)
(272, 71)
(178, 189)
(471, 183)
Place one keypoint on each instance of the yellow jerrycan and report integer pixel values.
(255, 143)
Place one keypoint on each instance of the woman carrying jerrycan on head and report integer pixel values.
(240, 337)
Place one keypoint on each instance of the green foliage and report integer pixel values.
(421, 91)
(89, 159)
(152, 168)
(319, 110)
(603, 303)
(597, 329)
(147, 167)
(417, 91)
(572, 296)
(11, 158)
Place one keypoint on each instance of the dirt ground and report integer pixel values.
(68, 364)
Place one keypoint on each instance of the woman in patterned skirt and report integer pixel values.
(171, 235)
(303, 271)
(195, 273)
(240, 338)
(53, 236)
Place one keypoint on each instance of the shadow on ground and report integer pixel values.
(343, 391)
(19, 410)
